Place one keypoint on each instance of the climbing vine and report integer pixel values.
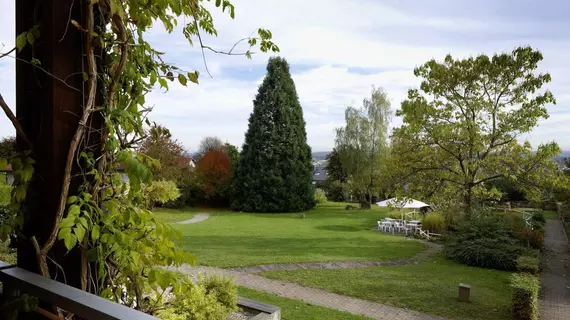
(121, 243)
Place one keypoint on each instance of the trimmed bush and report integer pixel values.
(525, 296)
(434, 223)
(320, 196)
(532, 238)
(483, 242)
(528, 264)
(224, 289)
(212, 298)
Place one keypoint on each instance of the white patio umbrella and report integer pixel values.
(404, 203)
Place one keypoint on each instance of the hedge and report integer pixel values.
(528, 264)
(525, 296)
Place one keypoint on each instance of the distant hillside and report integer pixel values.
(320, 155)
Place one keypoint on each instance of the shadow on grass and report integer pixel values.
(234, 251)
(339, 228)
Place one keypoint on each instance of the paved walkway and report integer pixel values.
(420, 257)
(554, 303)
(314, 296)
(199, 217)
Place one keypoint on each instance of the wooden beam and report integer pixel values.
(48, 105)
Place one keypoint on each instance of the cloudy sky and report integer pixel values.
(337, 50)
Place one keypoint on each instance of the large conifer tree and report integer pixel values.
(275, 172)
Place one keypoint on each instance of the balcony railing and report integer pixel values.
(80, 303)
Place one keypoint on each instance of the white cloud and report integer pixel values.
(326, 41)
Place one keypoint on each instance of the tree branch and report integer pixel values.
(15, 122)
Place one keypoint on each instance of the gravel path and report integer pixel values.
(554, 303)
(318, 296)
(199, 217)
(420, 257)
(312, 295)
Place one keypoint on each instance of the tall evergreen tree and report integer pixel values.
(274, 173)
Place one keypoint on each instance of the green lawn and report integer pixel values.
(297, 310)
(174, 215)
(327, 233)
(550, 215)
(430, 287)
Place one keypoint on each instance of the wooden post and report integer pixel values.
(464, 292)
(48, 104)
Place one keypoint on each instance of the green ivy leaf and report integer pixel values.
(152, 77)
(30, 38)
(193, 76)
(182, 79)
(71, 200)
(20, 193)
(95, 232)
(27, 173)
(63, 232)
(79, 232)
(68, 222)
(70, 241)
(83, 221)
(73, 210)
(21, 40)
(163, 83)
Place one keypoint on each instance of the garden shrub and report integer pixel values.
(395, 215)
(320, 196)
(532, 238)
(514, 221)
(483, 242)
(434, 223)
(212, 298)
(528, 264)
(525, 296)
(223, 288)
(334, 190)
(538, 221)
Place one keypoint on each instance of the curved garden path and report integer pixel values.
(318, 296)
(199, 217)
(420, 257)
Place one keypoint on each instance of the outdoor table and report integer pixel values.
(386, 224)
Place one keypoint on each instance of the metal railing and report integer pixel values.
(78, 302)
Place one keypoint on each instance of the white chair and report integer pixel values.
(379, 225)
(403, 227)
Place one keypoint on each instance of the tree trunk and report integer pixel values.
(468, 201)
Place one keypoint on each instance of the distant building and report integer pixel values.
(319, 174)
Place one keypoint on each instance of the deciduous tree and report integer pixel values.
(215, 172)
(275, 171)
(363, 142)
(460, 131)
(169, 152)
